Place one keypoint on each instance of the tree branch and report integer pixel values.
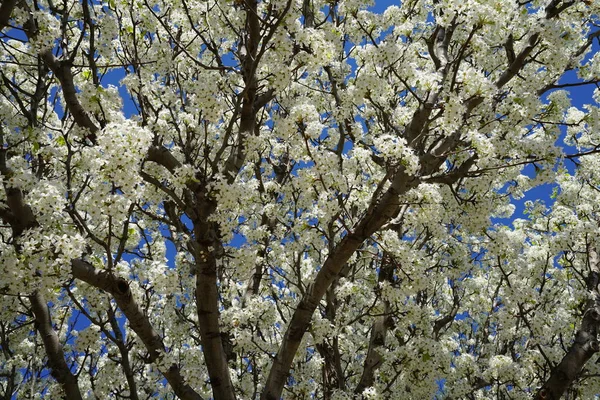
(207, 306)
(19, 215)
(139, 322)
(54, 350)
(6, 11)
(379, 212)
(586, 340)
(62, 71)
(378, 331)
(518, 62)
(163, 156)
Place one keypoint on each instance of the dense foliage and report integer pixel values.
(299, 198)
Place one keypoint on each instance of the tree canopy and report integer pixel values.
(299, 198)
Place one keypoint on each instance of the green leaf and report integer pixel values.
(61, 141)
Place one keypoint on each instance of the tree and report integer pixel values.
(298, 198)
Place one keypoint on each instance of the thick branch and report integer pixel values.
(248, 112)
(586, 341)
(6, 9)
(329, 349)
(119, 289)
(378, 332)
(54, 350)
(163, 156)
(447, 319)
(256, 42)
(552, 10)
(518, 62)
(455, 174)
(556, 7)
(62, 71)
(19, 215)
(379, 212)
(207, 303)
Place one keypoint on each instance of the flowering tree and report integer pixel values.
(300, 199)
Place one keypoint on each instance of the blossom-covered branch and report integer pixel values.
(119, 289)
(307, 199)
(54, 350)
(586, 343)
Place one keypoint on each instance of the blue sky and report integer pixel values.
(579, 96)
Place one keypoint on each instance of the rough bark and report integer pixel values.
(54, 350)
(332, 371)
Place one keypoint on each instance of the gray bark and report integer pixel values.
(54, 350)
